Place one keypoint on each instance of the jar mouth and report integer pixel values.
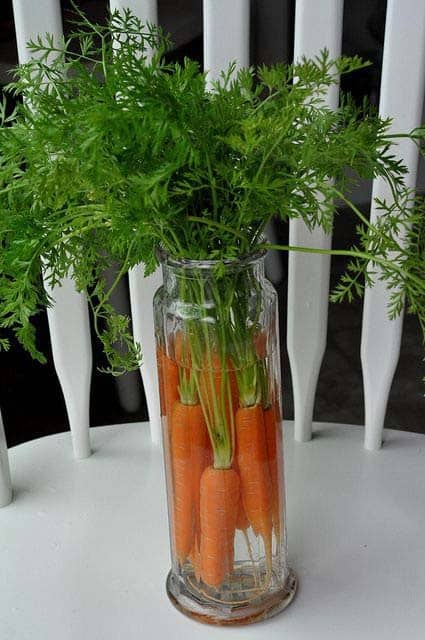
(186, 263)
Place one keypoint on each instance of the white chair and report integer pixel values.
(83, 548)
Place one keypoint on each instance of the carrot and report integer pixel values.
(168, 378)
(181, 419)
(200, 457)
(219, 502)
(195, 558)
(160, 367)
(254, 472)
(170, 373)
(273, 440)
(242, 521)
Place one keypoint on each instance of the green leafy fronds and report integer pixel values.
(113, 152)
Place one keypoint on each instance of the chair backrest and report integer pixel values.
(5, 482)
(318, 24)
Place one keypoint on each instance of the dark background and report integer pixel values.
(30, 396)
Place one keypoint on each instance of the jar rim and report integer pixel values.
(187, 263)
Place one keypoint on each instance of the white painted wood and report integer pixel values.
(5, 481)
(402, 94)
(69, 317)
(317, 25)
(84, 550)
(146, 10)
(142, 291)
(33, 18)
(72, 356)
(226, 35)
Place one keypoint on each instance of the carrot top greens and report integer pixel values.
(113, 153)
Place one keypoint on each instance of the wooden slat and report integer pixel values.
(33, 18)
(69, 316)
(226, 35)
(5, 481)
(402, 94)
(72, 355)
(143, 289)
(317, 25)
(226, 40)
(146, 10)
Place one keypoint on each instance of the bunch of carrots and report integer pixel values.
(223, 443)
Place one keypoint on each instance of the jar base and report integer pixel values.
(227, 615)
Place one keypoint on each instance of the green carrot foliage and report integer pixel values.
(113, 152)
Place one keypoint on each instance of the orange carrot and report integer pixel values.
(242, 522)
(170, 373)
(181, 419)
(254, 473)
(160, 369)
(273, 440)
(219, 502)
(200, 456)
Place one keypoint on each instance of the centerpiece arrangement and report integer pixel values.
(116, 156)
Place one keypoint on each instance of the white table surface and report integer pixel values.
(84, 546)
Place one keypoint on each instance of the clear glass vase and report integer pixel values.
(219, 375)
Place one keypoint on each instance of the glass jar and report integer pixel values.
(219, 376)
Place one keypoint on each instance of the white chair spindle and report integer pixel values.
(226, 35)
(33, 19)
(5, 481)
(145, 10)
(70, 358)
(226, 39)
(402, 94)
(143, 289)
(317, 25)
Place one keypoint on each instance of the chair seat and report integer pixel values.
(84, 546)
